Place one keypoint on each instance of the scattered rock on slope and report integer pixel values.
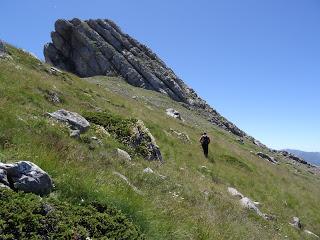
(99, 47)
(248, 203)
(182, 136)
(173, 113)
(296, 223)
(2, 49)
(142, 135)
(122, 155)
(74, 120)
(266, 156)
(25, 176)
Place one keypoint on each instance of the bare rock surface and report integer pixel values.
(99, 47)
(122, 155)
(248, 203)
(25, 176)
(267, 157)
(2, 49)
(74, 120)
(173, 113)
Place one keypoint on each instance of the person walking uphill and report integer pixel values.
(205, 141)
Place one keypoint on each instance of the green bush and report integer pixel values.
(27, 216)
(122, 129)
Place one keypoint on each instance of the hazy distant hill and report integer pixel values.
(311, 157)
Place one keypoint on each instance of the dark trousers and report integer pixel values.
(205, 148)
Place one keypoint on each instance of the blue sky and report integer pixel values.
(256, 62)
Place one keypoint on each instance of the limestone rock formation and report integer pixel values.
(74, 120)
(122, 155)
(25, 176)
(2, 49)
(99, 47)
(173, 113)
(267, 157)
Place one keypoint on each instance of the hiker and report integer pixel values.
(205, 140)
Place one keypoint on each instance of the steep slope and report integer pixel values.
(311, 157)
(186, 197)
(99, 47)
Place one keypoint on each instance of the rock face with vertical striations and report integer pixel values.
(99, 47)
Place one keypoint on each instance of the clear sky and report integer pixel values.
(256, 62)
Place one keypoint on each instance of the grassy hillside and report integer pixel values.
(185, 198)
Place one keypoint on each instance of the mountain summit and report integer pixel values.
(99, 47)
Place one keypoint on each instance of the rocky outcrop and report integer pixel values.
(173, 113)
(247, 203)
(141, 136)
(99, 47)
(74, 120)
(2, 49)
(293, 157)
(267, 157)
(25, 176)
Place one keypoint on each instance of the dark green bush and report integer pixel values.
(121, 129)
(118, 126)
(27, 216)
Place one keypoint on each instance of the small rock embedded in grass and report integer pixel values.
(267, 157)
(75, 134)
(122, 155)
(249, 204)
(52, 97)
(296, 223)
(128, 182)
(148, 170)
(182, 136)
(173, 113)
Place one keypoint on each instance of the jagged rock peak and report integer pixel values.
(99, 47)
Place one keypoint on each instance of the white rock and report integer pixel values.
(74, 120)
(128, 182)
(235, 192)
(122, 155)
(173, 113)
(311, 233)
(148, 170)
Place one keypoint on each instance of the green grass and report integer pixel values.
(182, 199)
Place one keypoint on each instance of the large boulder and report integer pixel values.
(74, 120)
(25, 176)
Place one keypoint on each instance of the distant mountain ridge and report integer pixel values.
(311, 157)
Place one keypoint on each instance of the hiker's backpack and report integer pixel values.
(205, 140)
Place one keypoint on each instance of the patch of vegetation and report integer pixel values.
(123, 130)
(26, 216)
(236, 162)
